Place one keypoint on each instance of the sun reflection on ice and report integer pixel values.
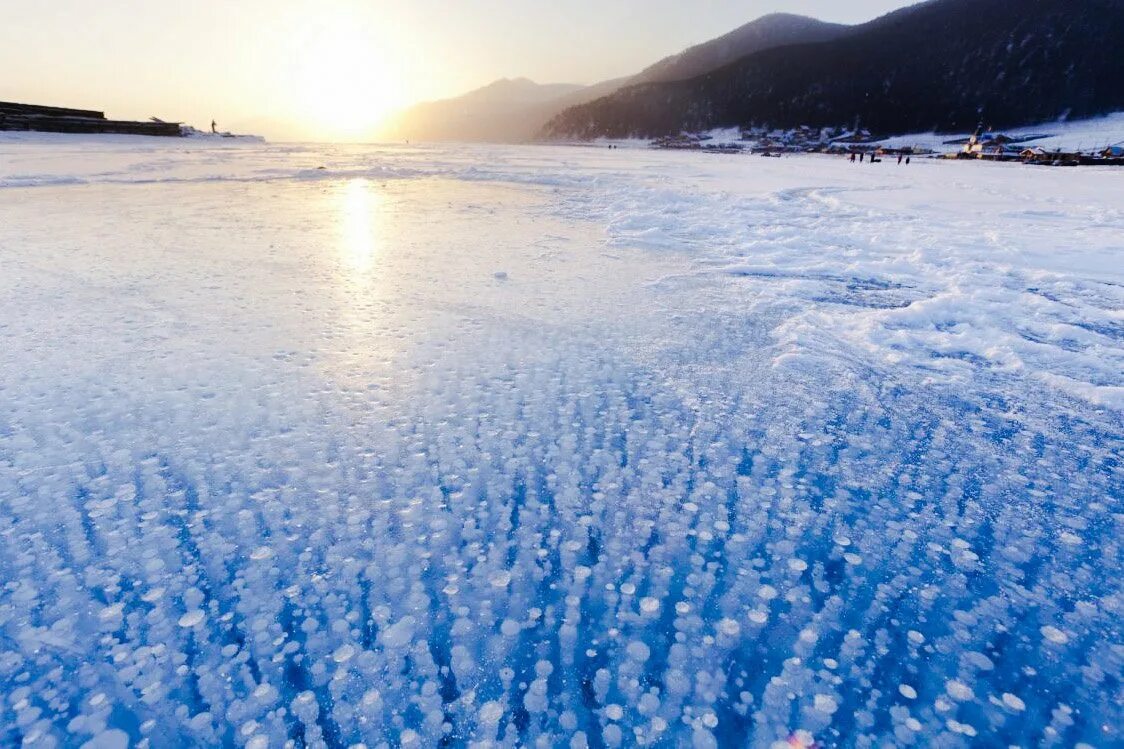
(365, 331)
(360, 234)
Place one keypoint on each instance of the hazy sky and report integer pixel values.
(331, 68)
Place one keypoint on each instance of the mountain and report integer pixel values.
(767, 32)
(517, 110)
(506, 110)
(942, 65)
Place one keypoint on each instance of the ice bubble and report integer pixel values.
(153, 595)
(400, 634)
(614, 712)
(304, 706)
(490, 713)
(192, 618)
(915, 637)
(767, 592)
(264, 692)
(260, 553)
(758, 617)
(958, 690)
(797, 565)
(500, 579)
(729, 627)
(1054, 635)
(344, 653)
(112, 738)
(510, 628)
(802, 738)
(907, 691)
(638, 651)
(649, 605)
(701, 739)
(1013, 702)
(649, 704)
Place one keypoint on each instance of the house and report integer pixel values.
(996, 151)
(1042, 157)
(1110, 156)
(989, 145)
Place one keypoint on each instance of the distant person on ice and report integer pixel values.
(214, 127)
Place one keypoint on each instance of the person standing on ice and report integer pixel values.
(214, 127)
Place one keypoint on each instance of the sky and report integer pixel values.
(333, 69)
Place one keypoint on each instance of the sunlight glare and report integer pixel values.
(358, 228)
(346, 86)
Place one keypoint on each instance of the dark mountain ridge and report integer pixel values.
(517, 110)
(767, 32)
(942, 65)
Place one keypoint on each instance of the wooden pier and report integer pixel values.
(35, 118)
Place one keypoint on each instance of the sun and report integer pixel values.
(346, 87)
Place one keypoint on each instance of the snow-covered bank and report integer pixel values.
(433, 446)
(1077, 135)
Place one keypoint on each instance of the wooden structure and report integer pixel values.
(37, 118)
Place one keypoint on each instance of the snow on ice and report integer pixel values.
(740, 452)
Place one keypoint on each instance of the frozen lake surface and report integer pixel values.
(556, 446)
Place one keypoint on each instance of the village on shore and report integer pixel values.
(983, 145)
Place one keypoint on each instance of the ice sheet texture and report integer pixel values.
(556, 446)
